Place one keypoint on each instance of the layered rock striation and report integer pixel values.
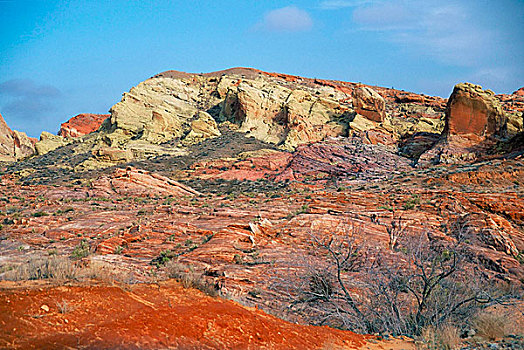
(173, 111)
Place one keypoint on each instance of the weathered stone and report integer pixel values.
(24, 146)
(278, 115)
(203, 127)
(361, 123)
(132, 181)
(369, 103)
(472, 111)
(474, 120)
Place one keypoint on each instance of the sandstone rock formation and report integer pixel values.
(138, 182)
(14, 145)
(157, 111)
(283, 116)
(519, 92)
(169, 113)
(369, 103)
(475, 119)
(473, 112)
(82, 124)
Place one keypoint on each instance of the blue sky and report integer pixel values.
(61, 58)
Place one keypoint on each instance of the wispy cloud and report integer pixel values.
(24, 99)
(340, 4)
(447, 32)
(286, 19)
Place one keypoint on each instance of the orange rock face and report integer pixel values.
(473, 111)
(82, 124)
(519, 92)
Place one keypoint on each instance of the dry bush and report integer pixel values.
(490, 326)
(189, 278)
(106, 272)
(422, 284)
(64, 307)
(449, 337)
(446, 337)
(53, 267)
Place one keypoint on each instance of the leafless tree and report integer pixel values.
(398, 292)
(396, 231)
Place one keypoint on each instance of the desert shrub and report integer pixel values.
(105, 272)
(82, 250)
(52, 267)
(163, 258)
(397, 292)
(189, 278)
(446, 337)
(489, 326)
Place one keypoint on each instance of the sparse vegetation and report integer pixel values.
(489, 326)
(52, 267)
(189, 278)
(446, 337)
(64, 306)
(432, 292)
(82, 250)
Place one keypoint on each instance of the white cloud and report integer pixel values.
(286, 19)
(497, 78)
(340, 4)
(448, 33)
(384, 17)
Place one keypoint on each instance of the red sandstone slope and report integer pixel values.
(151, 317)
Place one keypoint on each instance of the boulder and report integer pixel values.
(474, 121)
(361, 123)
(474, 113)
(202, 127)
(24, 146)
(369, 103)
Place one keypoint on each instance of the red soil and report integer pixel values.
(148, 316)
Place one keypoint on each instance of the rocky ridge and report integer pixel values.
(173, 110)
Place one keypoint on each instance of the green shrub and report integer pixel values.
(82, 250)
